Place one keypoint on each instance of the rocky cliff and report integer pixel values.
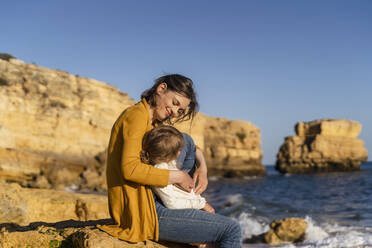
(55, 127)
(53, 124)
(231, 147)
(322, 145)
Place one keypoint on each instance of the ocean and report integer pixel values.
(337, 206)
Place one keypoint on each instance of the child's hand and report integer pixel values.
(208, 208)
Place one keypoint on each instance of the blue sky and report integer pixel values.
(272, 63)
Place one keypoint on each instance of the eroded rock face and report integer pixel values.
(53, 124)
(23, 206)
(231, 147)
(321, 146)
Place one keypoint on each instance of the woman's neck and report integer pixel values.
(151, 112)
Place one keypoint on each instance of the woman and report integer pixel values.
(136, 214)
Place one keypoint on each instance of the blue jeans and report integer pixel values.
(193, 225)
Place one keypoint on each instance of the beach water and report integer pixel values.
(337, 206)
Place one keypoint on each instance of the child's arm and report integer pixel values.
(200, 174)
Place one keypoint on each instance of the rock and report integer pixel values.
(286, 230)
(322, 146)
(94, 238)
(232, 148)
(42, 237)
(53, 124)
(327, 127)
(23, 206)
(65, 234)
(44, 218)
(281, 231)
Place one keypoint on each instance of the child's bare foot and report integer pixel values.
(204, 245)
(208, 208)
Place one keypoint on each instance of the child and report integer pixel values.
(160, 147)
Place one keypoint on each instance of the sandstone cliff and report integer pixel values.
(231, 147)
(322, 145)
(55, 127)
(53, 124)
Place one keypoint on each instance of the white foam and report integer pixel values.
(314, 233)
(335, 236)
(234, 199)
(251, 226)
(213, 178)
(346, 238)
(250, 177)
(324, 235)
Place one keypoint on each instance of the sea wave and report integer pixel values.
(323, 235)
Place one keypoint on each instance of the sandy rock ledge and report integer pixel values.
(34, 218)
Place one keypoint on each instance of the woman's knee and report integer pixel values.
(233, 233)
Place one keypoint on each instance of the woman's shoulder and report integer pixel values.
(138, 108)
(135, 114)
(137, 111)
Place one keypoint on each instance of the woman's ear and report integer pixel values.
(162, 88)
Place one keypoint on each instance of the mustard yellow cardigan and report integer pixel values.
(130, 199)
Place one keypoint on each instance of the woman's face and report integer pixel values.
(168, 103)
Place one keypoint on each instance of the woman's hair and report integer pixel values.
(161, 144)
(179, 84)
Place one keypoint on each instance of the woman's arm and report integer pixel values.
(134, 127)
(200, 174)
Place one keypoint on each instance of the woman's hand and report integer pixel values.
(182, 179)
(200, 175)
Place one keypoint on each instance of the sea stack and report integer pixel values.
(322, 146)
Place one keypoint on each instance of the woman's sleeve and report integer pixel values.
(134, 127)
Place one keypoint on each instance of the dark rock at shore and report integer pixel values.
(282, 231)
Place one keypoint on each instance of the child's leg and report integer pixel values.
(187, 156)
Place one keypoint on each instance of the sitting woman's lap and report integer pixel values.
(197, 226)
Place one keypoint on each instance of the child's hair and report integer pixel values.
(161, 144)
